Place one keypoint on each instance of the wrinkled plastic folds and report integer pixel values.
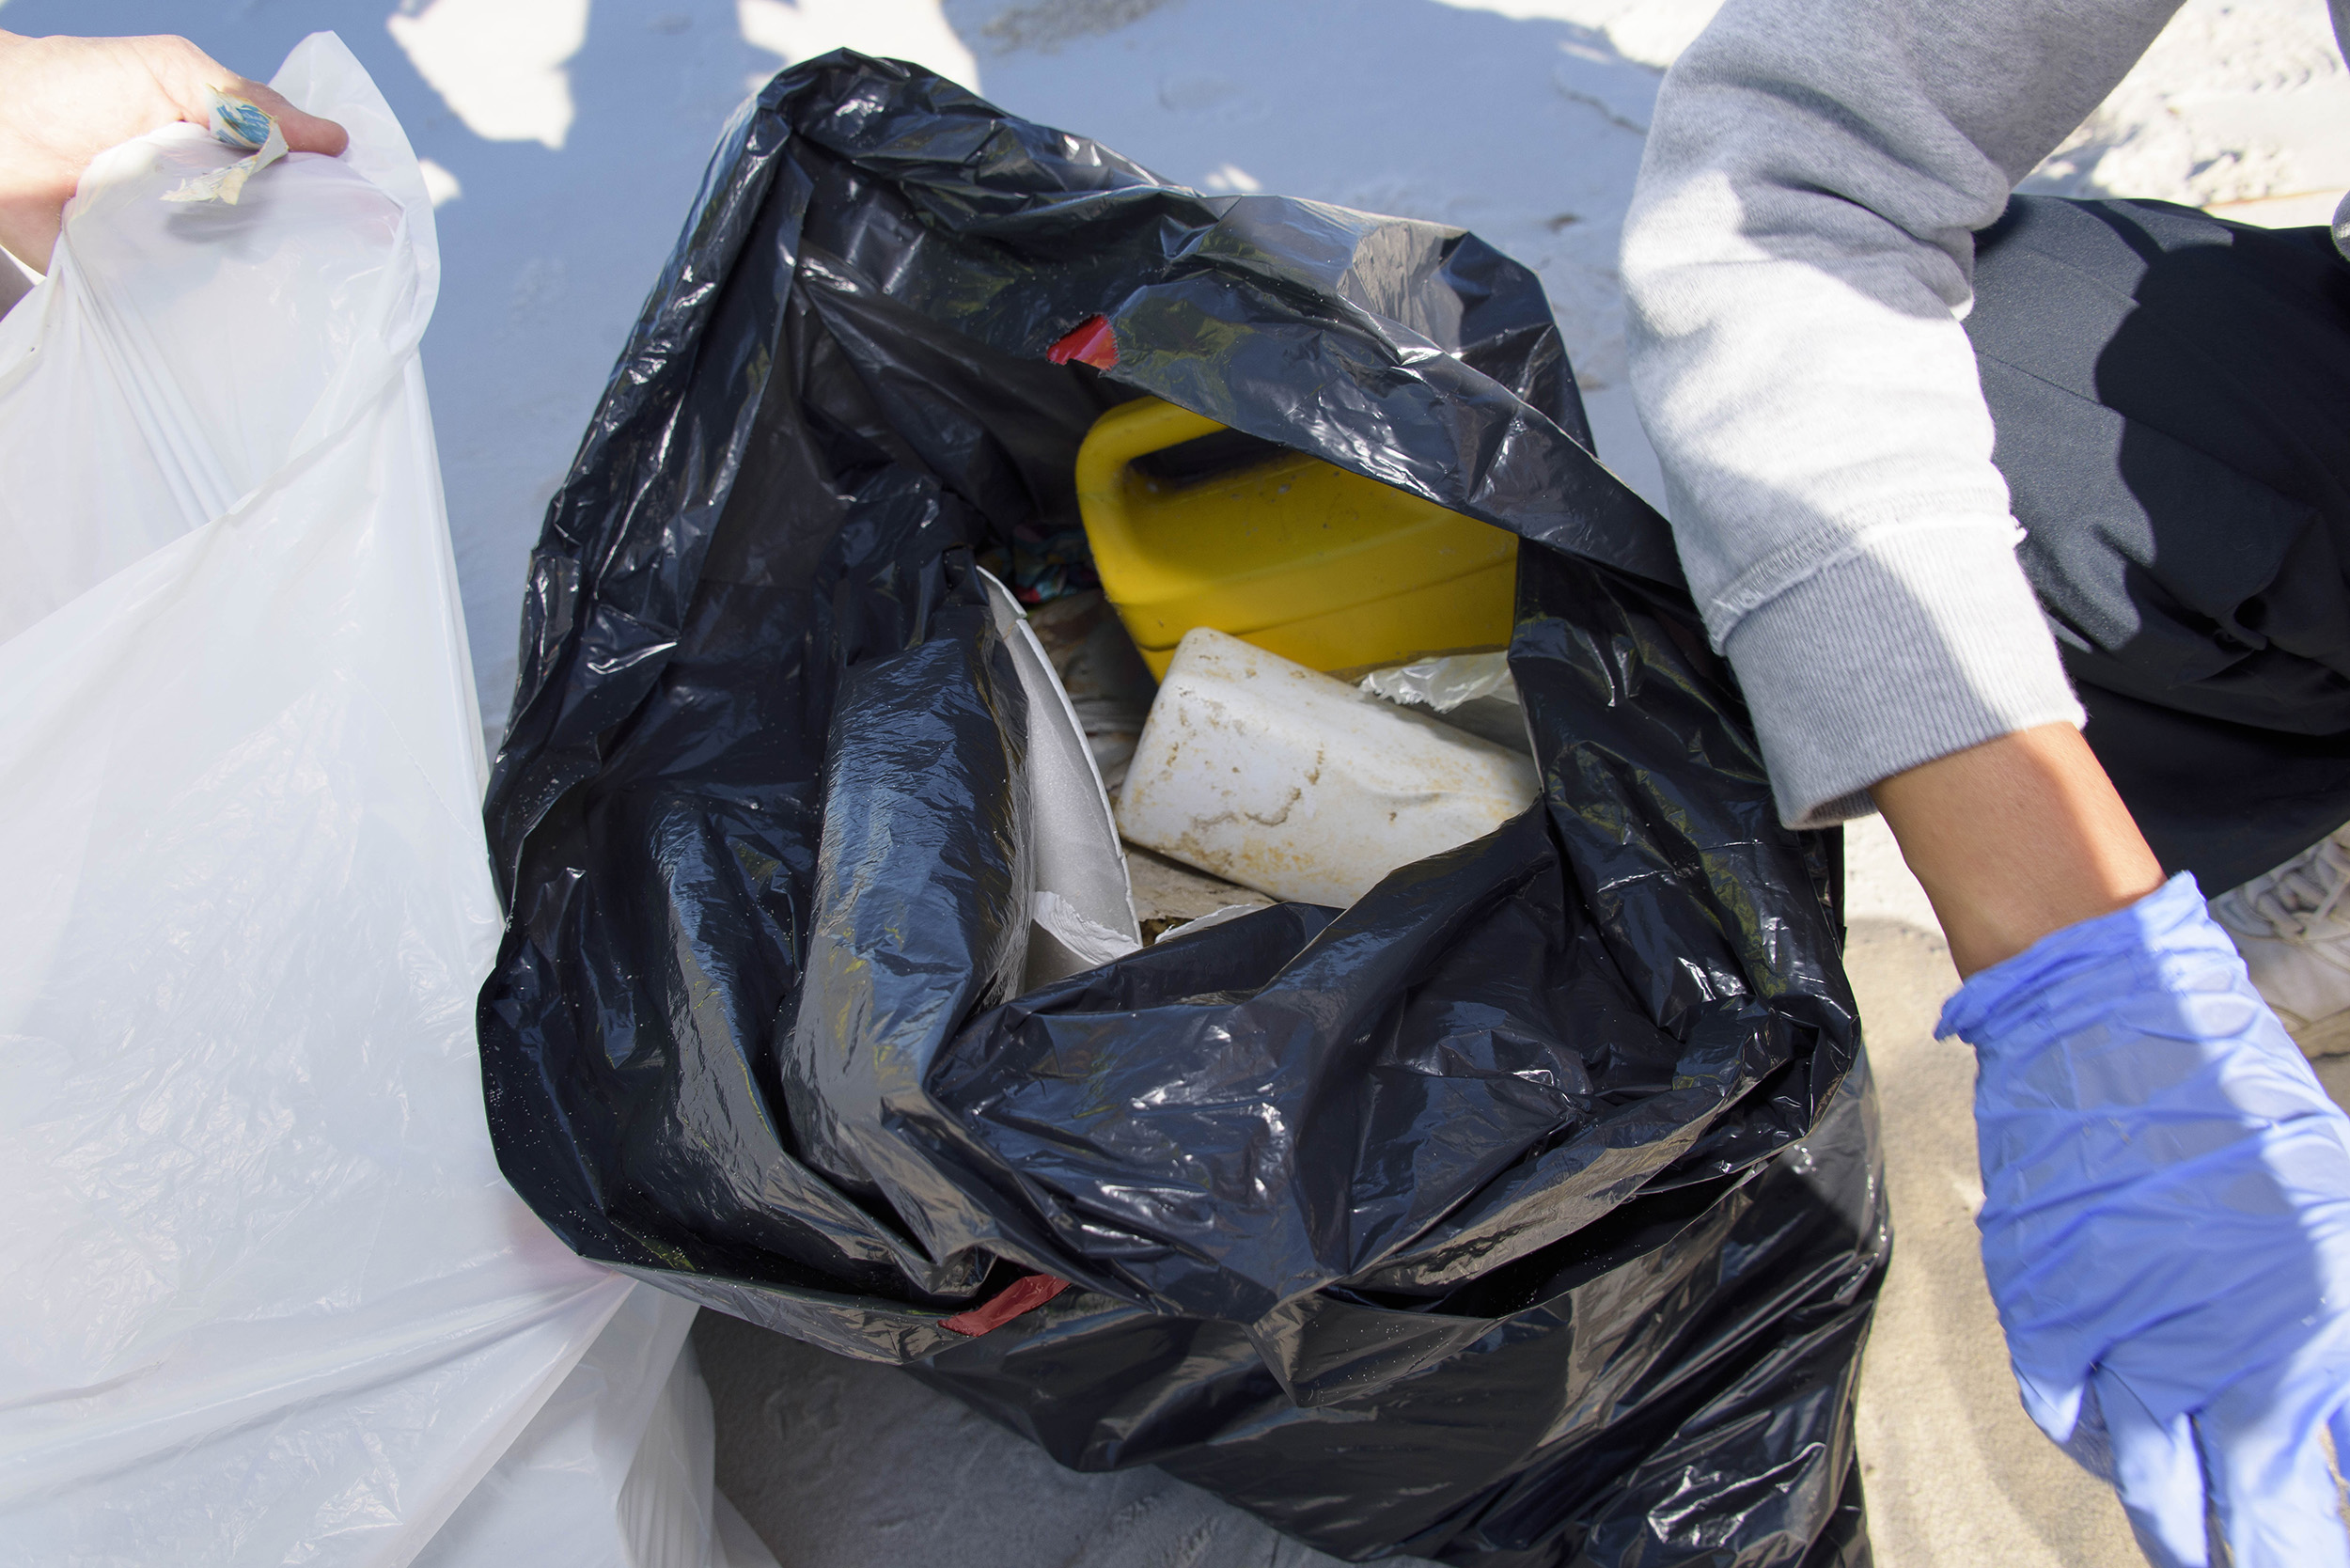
(267, 1297)
(1524, 1213)
(1445, 683)
(615, 1470)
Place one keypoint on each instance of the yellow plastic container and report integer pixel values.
(1318, 565)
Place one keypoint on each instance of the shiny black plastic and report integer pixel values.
(1526, 1213)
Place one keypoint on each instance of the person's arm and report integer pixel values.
(2016, 839)
(2166, 1224)
(1796, 263)
(64, 101)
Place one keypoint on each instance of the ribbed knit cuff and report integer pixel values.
(1925, 641)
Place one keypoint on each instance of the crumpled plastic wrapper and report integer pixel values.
(1445, 683)
(234, 122)
(1469, 691)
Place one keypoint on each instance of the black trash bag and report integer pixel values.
(1526, 1213)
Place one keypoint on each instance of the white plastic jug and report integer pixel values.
(1280, 778)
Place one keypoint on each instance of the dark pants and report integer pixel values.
(2171, 395)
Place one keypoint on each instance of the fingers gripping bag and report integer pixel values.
(266, 1297)
(1525, 1212)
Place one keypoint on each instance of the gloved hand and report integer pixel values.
(2166, 1225)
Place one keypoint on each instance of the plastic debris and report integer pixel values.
(1170, 895)
(1468, 691)
(1566, 1128)
(1443, 684)
(234, 122)
(1193, 523)
(1107, 682)
(1280, 778)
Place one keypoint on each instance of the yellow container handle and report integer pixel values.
(1130, 431)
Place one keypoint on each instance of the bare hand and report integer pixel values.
(65, 101)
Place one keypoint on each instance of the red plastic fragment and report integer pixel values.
(1022, 1295)
(1090, 343)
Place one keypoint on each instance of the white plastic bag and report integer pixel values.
(264, 1297)
(615, 1469)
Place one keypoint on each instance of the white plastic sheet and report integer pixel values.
(264, 1297)
(1083, 906)
(615, 1469)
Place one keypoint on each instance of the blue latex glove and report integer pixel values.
(2166, 1225)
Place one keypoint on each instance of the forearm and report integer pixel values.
(2016, 839)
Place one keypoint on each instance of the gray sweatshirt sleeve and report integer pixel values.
(1796, 262)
